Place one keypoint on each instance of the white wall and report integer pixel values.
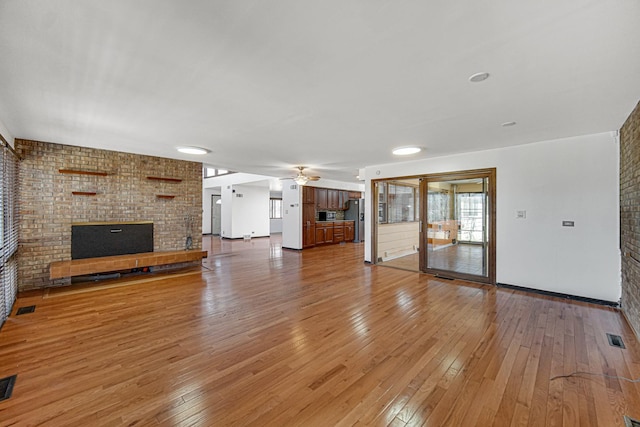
(275, 225)
(226, 213)
(250, 214)
(572, 179)
(338, 185)
(6, 135)
(291, 215)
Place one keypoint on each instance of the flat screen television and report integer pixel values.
(92, 239)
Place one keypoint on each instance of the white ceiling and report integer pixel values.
(331, 84)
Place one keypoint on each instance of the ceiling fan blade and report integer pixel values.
(313, 178)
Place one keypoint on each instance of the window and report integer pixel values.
(8, 229)
(397, 202)
(210, 172)
(470, 208)
(275, 208)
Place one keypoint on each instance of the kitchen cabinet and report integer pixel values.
(324, 232)
(338, 232)
(308, 195)
(308, 225)
(333, 199)
(344, 198)
(334, 232)
(349, 232)
(321, 198)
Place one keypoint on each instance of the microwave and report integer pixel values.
(326, 216)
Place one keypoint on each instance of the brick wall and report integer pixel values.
(630, 217)
(48, 207)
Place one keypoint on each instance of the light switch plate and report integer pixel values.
(521, 214)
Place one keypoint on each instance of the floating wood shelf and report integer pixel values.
(83, 172)
(84, 193)
(164, 196)
(160, 178)
(78, 267)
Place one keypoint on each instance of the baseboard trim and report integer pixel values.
(560, 295)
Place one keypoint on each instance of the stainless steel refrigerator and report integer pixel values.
(355, 212)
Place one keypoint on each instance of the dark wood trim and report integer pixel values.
(374, 221)
(83, 172)
(160, 178)
(84, 193)
(491, 192)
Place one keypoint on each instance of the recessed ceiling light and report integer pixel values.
(405, 151)
(479, 77)
(192, 150)
(507, 124)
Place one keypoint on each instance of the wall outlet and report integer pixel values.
(521, 214)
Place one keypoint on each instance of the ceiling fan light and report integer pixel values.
(301, 179)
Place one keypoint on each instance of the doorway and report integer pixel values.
(458, 225)
(216, 209)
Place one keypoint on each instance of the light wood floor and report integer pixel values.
(461, 258)
(270, 337)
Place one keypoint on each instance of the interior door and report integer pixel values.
(458, 225)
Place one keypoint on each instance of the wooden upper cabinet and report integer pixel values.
(321, 198)
(344, 198)
(333, 199)
(308, 195)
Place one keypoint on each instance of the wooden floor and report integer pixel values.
(460, 258)
(271, 337)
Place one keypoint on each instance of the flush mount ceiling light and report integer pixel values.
(406, 151)
(479, 77)
(193, 150)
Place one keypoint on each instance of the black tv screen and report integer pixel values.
(93, 240)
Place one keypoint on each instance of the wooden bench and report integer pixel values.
(79, 267)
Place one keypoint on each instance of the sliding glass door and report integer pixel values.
(458, 225)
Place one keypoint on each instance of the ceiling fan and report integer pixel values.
(301, 178)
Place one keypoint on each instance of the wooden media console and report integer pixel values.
(79, 267)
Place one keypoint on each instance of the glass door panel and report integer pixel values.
(457, 226)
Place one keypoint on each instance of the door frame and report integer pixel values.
(491, 210)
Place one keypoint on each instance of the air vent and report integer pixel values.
(25, 310)
(6, 387)
(238, 195)
(615, 341)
